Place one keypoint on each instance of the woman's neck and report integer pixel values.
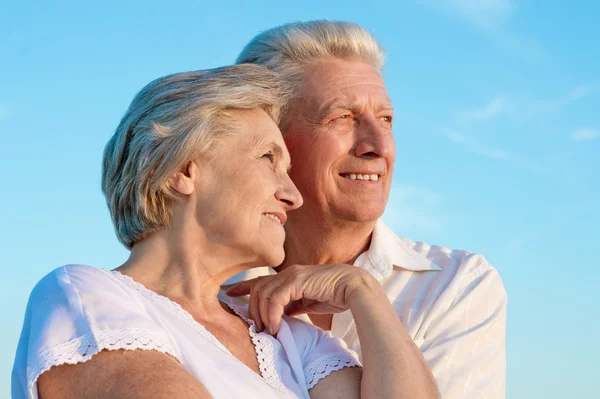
(182, 270)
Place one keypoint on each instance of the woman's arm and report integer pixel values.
(393, 366)
(121, 374)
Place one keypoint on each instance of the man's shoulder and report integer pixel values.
(459, 274)
(448, 258)
(456, 266)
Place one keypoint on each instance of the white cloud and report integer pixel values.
(477, 148)
(493, 153)
(455, 136)
(526, 238)
(522, 240)
(4, 111)
(558, 103)
(526, 108)
(414, 209)
(585, 134)
(484, 13)
(492, 16)
(580, 92)
(493, 108)
(556, 167)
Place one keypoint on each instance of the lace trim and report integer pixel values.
(263, 346)
(171, 306)
(325, 365)
(82, 349)
(265, 351)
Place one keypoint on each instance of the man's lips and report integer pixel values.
(364, 175)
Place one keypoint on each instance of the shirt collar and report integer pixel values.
(388, 251)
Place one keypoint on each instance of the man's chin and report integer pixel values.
(359, 214)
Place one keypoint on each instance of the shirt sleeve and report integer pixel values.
(465, 346)
(72, 314)
(320, 352)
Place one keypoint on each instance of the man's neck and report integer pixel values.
(325, 243)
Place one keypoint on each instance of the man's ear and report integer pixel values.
(184, 181)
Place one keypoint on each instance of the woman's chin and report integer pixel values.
(273, 258)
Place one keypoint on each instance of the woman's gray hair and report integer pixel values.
(170, 122)
(287, 48)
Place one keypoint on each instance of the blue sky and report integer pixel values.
(497, 127)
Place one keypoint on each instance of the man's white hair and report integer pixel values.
(286, 49)
(170, 122)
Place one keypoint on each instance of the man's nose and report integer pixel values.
(373, 140)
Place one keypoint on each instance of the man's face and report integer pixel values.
(340, 140)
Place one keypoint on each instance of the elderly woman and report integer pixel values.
(196, 180)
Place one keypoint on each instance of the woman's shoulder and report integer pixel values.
(77, 311)
(66, 272)
(73, 279)
(81, 293)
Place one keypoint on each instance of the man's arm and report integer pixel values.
(393, 367)
(381, 347)
(465, 345)
(122, 374)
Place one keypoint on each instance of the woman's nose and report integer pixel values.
(289, 194)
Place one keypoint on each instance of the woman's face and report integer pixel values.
(244, 190)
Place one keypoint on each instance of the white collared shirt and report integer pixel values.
(453, 305)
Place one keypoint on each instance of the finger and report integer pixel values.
(277, 303)
(266, 294)
(324, 308)
(253, 311)
(243, 287)
(296, 308)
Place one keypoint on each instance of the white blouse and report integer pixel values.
(77, 311)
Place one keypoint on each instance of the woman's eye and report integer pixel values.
(269, 156)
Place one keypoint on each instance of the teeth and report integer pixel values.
(360, 176)
(274, 217)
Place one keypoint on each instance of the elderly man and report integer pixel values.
(338, 129)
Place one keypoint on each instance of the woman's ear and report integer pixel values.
(184, 181)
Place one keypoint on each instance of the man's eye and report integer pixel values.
(344, 117)
(386, 119)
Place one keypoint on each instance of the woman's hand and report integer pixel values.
(302, 289)
(393, 366)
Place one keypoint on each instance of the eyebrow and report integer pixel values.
(352, 107)
(260, 141)
(279, 153)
